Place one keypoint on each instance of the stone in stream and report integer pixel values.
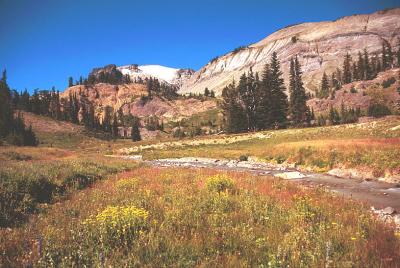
(135, 157)
(290, 175)
(388, 211)
(396, 219)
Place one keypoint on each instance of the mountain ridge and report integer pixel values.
(321, 46)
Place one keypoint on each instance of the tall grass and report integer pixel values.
(26, 185)
(183, 217)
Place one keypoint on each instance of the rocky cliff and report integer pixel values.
(128, 98)
(320, 47)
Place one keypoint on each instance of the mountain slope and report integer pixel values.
(320, 47)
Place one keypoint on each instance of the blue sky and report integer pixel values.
(42, 42)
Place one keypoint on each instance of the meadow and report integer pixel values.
(64, 204)
(181, 217)
(35, 176)
(371, 146)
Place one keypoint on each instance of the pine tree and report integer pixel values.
(206, 92)
(360, 67)
(135, 131)
(6, 111)
(247, 94)
(58, 106)
(334, 116)
(107, 119)
(339, 77)
(24, 103)
(324, 88)
(115, 126)
(384, 57)
(234, 115)
(13, 128)
(378, 67)
(355, 72)
(335, 84)
(70, 81)
(264, 94)
(29, 137)
(298, 109)
(149, 85)
(279, 102)
(347, 69)
(387, 55)
(35, 102)
(368, 73)
(374, 63)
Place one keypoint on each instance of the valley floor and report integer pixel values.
(180, 217)
(66, 204)
(366, 150)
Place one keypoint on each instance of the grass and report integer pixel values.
(374, 146)
(183, 217)
(26, 184)
(68, 205)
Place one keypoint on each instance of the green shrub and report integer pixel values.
(243, 158)
(280, 159)
(388, 82)
(238, 49)
(220, 183)
(378, 110)
(303, 154)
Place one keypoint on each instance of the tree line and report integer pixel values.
(261, 103)
(256, 103)
(364, 67)
(12, 126)
(76, 109)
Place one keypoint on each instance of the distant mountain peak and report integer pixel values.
(172, 76)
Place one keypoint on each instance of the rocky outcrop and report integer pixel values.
(359, 94)
(320, 47)
(128, 98)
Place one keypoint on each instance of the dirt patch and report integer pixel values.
(49, 125)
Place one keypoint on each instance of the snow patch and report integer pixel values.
(165, 74)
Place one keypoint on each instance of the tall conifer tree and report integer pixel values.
(347, 69)
(297, 105)
(279, 102)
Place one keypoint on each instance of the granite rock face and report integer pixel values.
(320, 47)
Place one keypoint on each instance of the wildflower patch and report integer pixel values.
(220, 183)
(117, 225)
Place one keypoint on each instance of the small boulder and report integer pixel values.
(290, 175)
(396, 219)
(388, 211)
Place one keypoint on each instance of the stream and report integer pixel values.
(375, 193)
